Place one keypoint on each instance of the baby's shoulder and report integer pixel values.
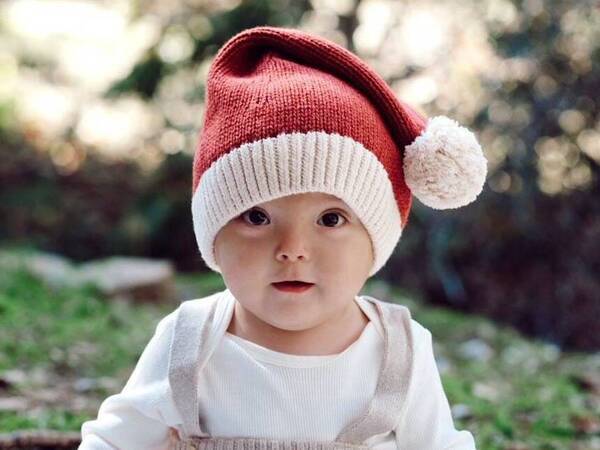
(418, 332)
(197, 307)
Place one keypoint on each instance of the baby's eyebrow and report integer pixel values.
(340, 205)
(333, 199)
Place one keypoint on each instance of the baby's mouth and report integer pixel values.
(294, 286)
(293, 283)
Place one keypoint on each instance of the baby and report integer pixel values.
(302, 184)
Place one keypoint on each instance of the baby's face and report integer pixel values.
(313, 237)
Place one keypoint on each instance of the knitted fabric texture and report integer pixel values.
(260, 444)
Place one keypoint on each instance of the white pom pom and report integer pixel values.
(445, 167)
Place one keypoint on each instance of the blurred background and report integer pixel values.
(101, 103)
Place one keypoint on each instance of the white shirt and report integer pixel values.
(249, 390)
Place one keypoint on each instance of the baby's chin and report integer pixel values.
(293, 323)
(296, 327)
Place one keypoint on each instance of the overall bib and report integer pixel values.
(192, 345)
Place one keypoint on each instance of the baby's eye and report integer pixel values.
(332, 220)
(254, 214)
(257, 217)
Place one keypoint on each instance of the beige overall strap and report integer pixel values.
(388, 403)
(188, 353)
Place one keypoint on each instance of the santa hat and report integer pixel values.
(288, 112)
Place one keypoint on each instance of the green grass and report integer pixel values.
(52, 419)
(70, 331)
(74, 333)
(539, 399)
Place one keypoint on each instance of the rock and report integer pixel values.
(550, 353)
(486, 391)
(39, 376)
(522, 355)
(591, 444)
(135, 278)
(443, 364)
(487, 331)
(52, 268)
(93, 384)
(586, 424)
(130, 278)
(14, 404)
(12, 377)
(589, 381)
(85, 384)
(46, 395)
(460, 411)
(476, 349)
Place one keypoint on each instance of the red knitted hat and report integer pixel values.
(289, 112)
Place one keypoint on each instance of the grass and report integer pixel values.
(69, 331)
(525, 396)
(538, 401)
